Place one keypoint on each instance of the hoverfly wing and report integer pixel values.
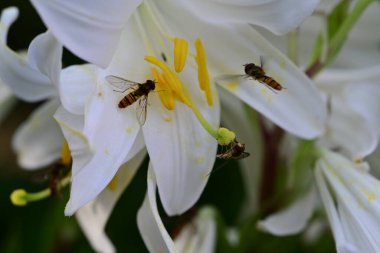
(141, 110)
(121, 84)
(229, 78)
(242, 155)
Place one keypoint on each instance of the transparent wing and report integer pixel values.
(242, 156)
(121, 84)
(141, 110)
(229, 77)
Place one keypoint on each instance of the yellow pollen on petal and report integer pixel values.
(112, 185)
(65, 154)
(174, 83)
(164, 92)
(203, 76)
(180, 54)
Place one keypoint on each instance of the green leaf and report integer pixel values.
(319, 48)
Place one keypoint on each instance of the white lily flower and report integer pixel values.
(166, 149)
(350, 196)
(78, 24)
(351, 128)
(197, 236)
(39, 140)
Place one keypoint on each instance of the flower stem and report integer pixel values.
(339, 38)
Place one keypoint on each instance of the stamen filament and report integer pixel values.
(20, 197)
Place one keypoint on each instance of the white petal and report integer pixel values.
(45, 54)
(111, 132)
(348, 131)
(150, 225)
(279, 16)
(357, 202)
(199, 235)
(30, 80)
(182, 153)
(76, 86)
(72, 127)
(298, 108)
(93, 217)
(293, 219)
(38, 141)
(90, 29)
(364, 99)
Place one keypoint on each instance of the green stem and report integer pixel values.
(339, 38)
(213, 132)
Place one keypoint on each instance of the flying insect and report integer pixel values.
(136, 92)
(236, 152)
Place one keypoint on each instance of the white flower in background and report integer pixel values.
(350, 196)
(198, 236)
(352, 129)
(38, 140)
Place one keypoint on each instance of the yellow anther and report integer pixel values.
(112, 185)
(164, 91)
(225, 136)
(65, 154)
(180, 54)
(203, 77)
(170, 78)
(18, 197)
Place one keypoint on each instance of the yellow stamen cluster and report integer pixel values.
(170, 81)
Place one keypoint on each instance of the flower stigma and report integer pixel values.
(20, 197)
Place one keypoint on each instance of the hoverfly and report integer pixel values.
(257, 73)
(236, 152)
(138, 91)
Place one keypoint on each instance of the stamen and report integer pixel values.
(180, 54)
(65, 154)
(20, 197)
(203, 76)
(164, 92)
(112, 185)
(171, 79)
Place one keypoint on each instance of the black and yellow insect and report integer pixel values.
(138, 92)
(236, 152)
(257, 73)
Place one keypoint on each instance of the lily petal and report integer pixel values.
(275, 15)
(110, 150)
(150, 225)
(31, 79)
(7, 101)
(76, 86)
(183, 165)
(72, 127)
(93, 217)
(348, 131)
(363, 99)
(293, 219)
(354, 213)
(77, 24)
(38, 141)
(298, 109)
